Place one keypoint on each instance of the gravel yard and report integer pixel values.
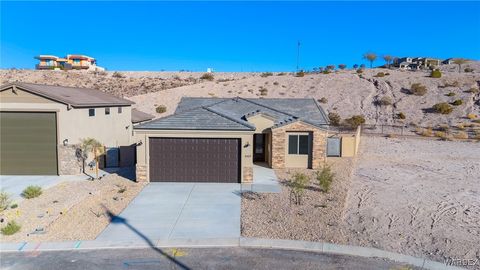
(71, 210)
(419, 197)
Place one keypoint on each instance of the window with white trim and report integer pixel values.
(297, 144)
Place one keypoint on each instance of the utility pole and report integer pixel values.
(298, 53)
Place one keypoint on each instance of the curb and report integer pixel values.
(246, 242)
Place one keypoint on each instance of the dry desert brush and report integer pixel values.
(418, 89)
(298, 183)
(207, 76)
(31, 192)
(325, 178)
(443, 108)
(11, 228)
(4, 200)
(355, 121)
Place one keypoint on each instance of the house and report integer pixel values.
(219, 139)
(71, 61)
(414, 63)
(42, 126)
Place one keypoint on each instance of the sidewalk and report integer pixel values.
(229, 242)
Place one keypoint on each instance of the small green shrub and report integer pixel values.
(5, 200)
(355, 121)
(161, 109)
(436, 73)
(300, 74)
(451, 94)
(380, 74)
(275, 83)
(13, 206)
(334, 118)
(385, 101)
(31, 192)
(298, 183)
(457, 102)
(443, 108)
(325, 178)
(401, 115)
(266, 74)
(323, 100)
(117, 74)
(468, 70)
(418, 89)
(326, 71)
(263, 91)
(207, 76)
(11, 228)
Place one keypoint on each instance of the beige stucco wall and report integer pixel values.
(143, 157)
(262, 123)
(350, 143)
(75, 124)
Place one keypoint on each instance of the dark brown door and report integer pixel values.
(259, 147)
(194, 160)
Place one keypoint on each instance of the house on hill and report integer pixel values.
(71, 61)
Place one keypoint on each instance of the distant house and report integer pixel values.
(414, 63)
(448, 61)
(71, 61)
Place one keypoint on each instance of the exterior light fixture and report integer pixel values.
(65, 142)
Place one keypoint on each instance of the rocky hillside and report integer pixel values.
(381, 99)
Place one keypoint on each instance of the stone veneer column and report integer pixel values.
(247, 175)
(68, 162)
(141, 173)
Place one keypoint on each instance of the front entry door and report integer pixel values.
(259, 148)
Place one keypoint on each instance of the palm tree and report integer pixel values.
(460, 62)
(388, 59)
(90, 145)
(371, 57)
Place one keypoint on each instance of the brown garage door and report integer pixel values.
(194, 160)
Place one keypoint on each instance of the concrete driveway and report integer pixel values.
(15, 184)
(169, 211)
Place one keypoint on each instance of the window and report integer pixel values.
(91, 112)
(120, 109)
(298, 144)
(107, 111)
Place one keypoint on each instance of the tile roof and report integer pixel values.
(232, 113)
(139, 116)
(76, 97)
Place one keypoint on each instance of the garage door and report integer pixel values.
(194, 160)
(28, 143)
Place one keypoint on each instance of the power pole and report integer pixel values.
(298, 53)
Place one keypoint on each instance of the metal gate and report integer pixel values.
(334, 147)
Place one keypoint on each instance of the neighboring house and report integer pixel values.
(414, 63)
(71, 61)
(42, 126)
(219, 139)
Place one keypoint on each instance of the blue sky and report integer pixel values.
(235, 36)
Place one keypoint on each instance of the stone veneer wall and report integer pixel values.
(247, 175)
(141, 173)
(69, 163)
(279, 138)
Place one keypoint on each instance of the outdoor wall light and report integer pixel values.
(246, 145)
(65, 142)
(139, 143)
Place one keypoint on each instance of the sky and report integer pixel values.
(235, 36)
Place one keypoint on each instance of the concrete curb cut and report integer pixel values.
(230, 242)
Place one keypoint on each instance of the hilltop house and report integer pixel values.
(415, 63)
(42, 125)
(219, 139)
(71, 61)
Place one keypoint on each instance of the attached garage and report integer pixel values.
(215, 160)
(28, 143)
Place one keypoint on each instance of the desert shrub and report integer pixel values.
(298, 183)
(443, 127)
(325, 178)
(450, 84)
(11, 228)
(471, 116)
(334, 118)
(207, 76)
(467, 69)
(359, 71)
(418, 89)
(443, 108)
(161, 109)
(472, 90)
(427, 132)
(275, 83)
(442, 135)
(266, 74)
(263, 91)
(460, 126)
(355, 121)
(31, 192)
(323, 100)
(326, 71)
(380, 74)
(117, 74)
(385, 101)
(401, 115)
(462, 135)
(457, 102)
(450, 94)
(436, 73)
(300, 74)
(281, 74)
(5, 200)
(342, 66)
